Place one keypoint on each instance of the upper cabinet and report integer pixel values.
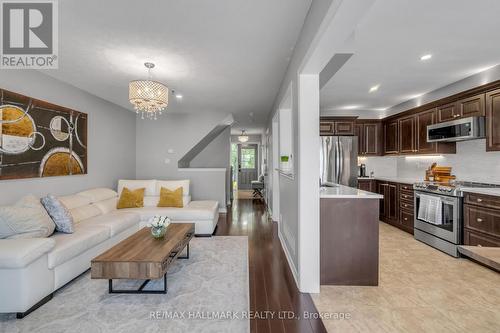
(407, 135)
(463, 108)
(472, 106)
(337, 126)
(448, 112)
(493, 120)
(425, 119)
(370, 140)
(391, 137)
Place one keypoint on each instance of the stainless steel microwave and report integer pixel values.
(457, 130)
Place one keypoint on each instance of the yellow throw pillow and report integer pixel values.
(131, 199)
(171, 198)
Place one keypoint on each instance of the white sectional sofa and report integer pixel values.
(32, 269)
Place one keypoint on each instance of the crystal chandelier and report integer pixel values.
(243, 137)
(149, 97)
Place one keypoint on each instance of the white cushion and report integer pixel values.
(85, 212)
(26, 219)
(196, 210)
(152, 201)
(116, 222)
(98, 194)
(107, 206)
(18, 253)
(149, 185)
(74, 201)
(173, 185)
(69, 246)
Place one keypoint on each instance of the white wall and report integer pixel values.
(179, 132)
(289, 188)
(111, 137)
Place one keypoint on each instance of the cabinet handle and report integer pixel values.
(479, 200)
(479, 219)
(456, 115)
(406, 219)
(405, 196)
(405, 205)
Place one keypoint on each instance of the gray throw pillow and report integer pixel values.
(59, 214)
(26, 219)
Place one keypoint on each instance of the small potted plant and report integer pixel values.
(158, 225)
(285, 163)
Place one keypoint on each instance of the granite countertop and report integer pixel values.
(394, 179)
(342, 191)
(487, 191)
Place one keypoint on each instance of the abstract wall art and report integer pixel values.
(39, 139)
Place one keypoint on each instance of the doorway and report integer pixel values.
(245, 166)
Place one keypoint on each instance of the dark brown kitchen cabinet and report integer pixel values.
(425, 119)
(367, 185)
(389, 210)
(472, 106)
(397, 208)
(337, 126)
(326, 127)
(481, 220)
(493, 120)
(448, 112)
(370, 140)
(463, 108)
(344, 128)
(407, 135)
(391, 137)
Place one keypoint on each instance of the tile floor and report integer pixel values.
(420, 290)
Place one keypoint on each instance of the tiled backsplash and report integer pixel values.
(471, 162)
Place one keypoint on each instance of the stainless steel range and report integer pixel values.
(439, 213)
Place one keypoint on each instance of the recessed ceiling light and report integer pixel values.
(374, 88)
(351, 107)
(426, 57)
(381, 109)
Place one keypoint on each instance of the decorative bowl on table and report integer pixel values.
(158, 225)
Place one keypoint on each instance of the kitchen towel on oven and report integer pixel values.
(430, 209)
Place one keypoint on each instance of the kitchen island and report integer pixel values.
(349, 241)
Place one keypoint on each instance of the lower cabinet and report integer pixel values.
(397, 207)
(367, 185)
(481, 220)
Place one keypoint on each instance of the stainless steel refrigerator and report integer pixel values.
(339, 161)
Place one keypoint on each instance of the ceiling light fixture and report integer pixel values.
(374, 88)
(426, 57)
(243, 137)
(149, 97)
(351, 107)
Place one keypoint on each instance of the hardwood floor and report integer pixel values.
(273, 294)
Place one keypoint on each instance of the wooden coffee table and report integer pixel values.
(141, 257)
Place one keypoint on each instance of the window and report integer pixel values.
(248, 158)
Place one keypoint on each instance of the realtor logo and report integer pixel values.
(29, 34)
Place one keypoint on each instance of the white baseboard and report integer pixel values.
(289, 260)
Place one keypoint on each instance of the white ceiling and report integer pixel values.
(225, 55)
(462, 36)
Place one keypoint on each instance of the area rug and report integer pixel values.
(206, 293)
